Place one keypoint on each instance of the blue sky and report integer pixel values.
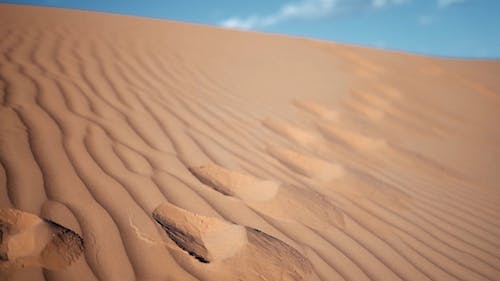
(451, 28)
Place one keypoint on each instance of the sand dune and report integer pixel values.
(142, 149)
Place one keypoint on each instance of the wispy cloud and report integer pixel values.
(305, 10)
(447, 3)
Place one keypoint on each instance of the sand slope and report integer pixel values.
(168, 151)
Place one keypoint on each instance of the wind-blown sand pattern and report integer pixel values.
(142, 149)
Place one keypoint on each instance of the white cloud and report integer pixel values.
(305, 10)
(446, 3)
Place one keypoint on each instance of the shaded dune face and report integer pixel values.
(229, 251)
(29, 241)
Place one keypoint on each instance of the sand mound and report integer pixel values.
(352, 139)
(292, 132)
(305, 165)
(207, 239)
(371, 112)
(235, 184)
(318, 110)
(228, 251)
(29, 241)
(286, 202)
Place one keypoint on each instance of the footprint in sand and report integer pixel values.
(297, 135)
(318, 110)
(27, 240)
(373, 108)
(308, 166)
(226, 251)
(334, 133)
(334, 177)
(354, 184)
(284, 202)
(351, 139)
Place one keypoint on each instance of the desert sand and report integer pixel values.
(143, 149)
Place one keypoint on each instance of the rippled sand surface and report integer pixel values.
(142, 149)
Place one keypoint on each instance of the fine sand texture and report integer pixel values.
(143, 149)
